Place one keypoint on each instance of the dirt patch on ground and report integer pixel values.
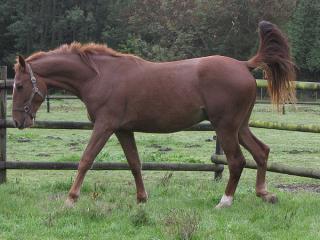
(165, 149)
(72, 144)
(154, 145)
(211, 139)
(53, 137)
(22, 140)
(42, 154)
(161, 148)
(295, 151)
(299, 187)
(192, 145)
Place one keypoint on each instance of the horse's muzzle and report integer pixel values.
(19, 125)
(23, 124)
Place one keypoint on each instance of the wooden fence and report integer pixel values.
(218, 158)
(261, 84)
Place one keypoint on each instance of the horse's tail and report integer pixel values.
(273, 57)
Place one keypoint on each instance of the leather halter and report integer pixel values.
(35, 90)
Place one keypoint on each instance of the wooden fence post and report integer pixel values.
(3, 130)
(48, 103)
(283, 109)
(219, 151)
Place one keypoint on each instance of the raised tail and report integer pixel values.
(273, 57)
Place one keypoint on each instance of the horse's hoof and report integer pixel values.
(225, 202)
(142, 198)
(69, 203)
(223, 205)
(270, 198)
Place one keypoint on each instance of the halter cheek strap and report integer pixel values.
(35, 90)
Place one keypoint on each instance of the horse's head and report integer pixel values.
(28, 94)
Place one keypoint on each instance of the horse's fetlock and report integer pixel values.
(73, 196)
(142, 197)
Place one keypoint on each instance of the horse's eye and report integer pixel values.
(19, 86)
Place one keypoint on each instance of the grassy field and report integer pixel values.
(181, 204)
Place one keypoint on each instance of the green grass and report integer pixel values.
(181, 204)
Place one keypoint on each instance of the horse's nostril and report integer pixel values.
(15, 123)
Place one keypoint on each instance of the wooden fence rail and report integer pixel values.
(260, 83)
(218, 159)
(72, 97)
(111, 166)
(299, 85)
(274, 167)
(297, 103)
(8, 123)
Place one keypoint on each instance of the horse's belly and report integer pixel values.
(166, 122)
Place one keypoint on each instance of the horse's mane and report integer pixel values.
(78, 48)
(83, 50)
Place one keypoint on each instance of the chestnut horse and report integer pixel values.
(124, 94)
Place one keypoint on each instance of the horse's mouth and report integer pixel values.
(29, 123)
(25, 124)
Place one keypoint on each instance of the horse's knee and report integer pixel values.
(84, 165)
(236, 165)
(239, 164)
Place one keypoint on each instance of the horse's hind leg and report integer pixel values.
(260, 153)
(128, 144)
(228, 137)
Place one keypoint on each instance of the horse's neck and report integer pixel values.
(64, 72)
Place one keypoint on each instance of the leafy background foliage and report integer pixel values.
(161, 30)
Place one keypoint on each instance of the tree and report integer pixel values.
(159, 30)
(304, 30)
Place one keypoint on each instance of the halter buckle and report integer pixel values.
(26, 109)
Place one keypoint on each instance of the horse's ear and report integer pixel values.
(22, 62)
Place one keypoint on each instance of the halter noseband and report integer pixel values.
(35, 90)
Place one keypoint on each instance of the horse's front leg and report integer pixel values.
(99, 137)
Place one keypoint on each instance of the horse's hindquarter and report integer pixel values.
(163, 97)
(227, 87)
